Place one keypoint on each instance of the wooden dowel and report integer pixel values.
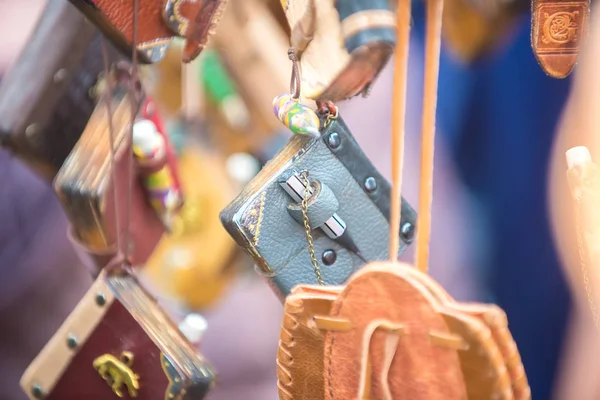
(430, 87)
(398, 121)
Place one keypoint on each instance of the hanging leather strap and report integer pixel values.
(398, 120)
(430, 87)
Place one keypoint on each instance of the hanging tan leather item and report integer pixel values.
(325, 328)
(558, 30)
(492, 359)
(399, 346)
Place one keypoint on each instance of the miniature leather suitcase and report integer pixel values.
(267, 222)
(159, 21)
(85, 188)
(118, 343)
(45, 98)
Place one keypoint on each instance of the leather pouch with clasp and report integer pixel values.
(159, 21)
(46, 97)
(85, 186)
(265, 221)
(118, 342)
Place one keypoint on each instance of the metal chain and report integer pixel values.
(584, 267)
(307, 230)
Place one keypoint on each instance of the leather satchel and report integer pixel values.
(46, 98)
(159, 21)
(334, 69)
(118, 343)
(267, 222)
(376, 337)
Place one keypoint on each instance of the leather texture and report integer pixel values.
(301, 344)
(196, 19)
(259, 221)
(332, 69)
(381, 295)
(321, 206)
(381, 332)
(496, 324)
(558, 30)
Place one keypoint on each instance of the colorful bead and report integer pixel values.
(298, 117)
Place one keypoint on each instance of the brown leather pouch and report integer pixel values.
(86, 189)
(159, 21)
(558, 30)
(378, 335)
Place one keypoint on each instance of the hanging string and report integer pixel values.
(398, 120)
(134, 110)
(108, 101)
(296, 79)
(430, 87)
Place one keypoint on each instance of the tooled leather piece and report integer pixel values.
(300, 353)
(419, 368)
(558, 30)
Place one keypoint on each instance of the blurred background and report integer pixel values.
(493, 239)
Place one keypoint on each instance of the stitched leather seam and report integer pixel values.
(283, 390)
(515, 365)
(284, 365)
